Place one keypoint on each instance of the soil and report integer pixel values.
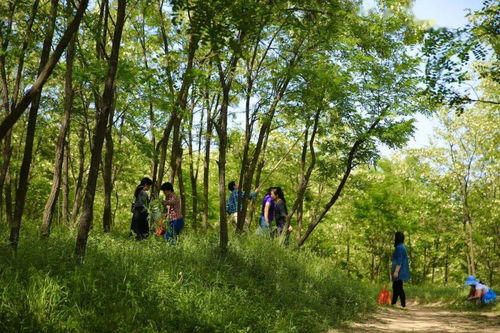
(426, 318)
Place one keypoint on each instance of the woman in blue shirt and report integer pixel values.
(400, 269)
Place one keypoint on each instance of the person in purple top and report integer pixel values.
(268, 207)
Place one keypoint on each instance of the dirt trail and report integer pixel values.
(420, 318)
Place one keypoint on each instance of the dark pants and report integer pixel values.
(140, 224)
(397, 291)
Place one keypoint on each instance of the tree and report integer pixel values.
(102, 117)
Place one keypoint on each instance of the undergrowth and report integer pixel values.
(152, 286)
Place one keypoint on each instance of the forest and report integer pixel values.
(304, 95)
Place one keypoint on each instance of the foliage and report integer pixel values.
(151, 286)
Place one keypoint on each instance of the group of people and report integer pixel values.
(172, 212)
(273, 221)
(273, 213)
(479, 292)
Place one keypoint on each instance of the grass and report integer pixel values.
(452, 297)
(151, 286)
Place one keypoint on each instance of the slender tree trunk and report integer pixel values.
(182, 188)
(5, 179)
(65, 184)
(85, 220)
(206, 163)
(347, 172)
(81, 170)
(260, 166)
(107, 221)
(30, 135)
(300, 218)
(222, 132)
(61, 143)
(45, 73)
(163, 144)
(304, 182)
(265, 129)
(6, 147)
(193, 175)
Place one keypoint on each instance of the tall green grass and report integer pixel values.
(151, 286)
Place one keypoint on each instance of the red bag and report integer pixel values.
(161, 229)
(384, 296)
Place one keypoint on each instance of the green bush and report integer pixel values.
(152, 286)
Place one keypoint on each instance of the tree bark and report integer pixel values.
(86, 217)
(107, 221)
(65, 183)
(5, 179)
(61, 143)
(193, 172)
(81, 170)
(304, 182)
(45, 73)
(30, 135)
(249, 172)
(347, 172)
(182, 188)
(206, 161)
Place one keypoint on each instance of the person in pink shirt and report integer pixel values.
(173, 212)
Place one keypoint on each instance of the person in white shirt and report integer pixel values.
(479, 292)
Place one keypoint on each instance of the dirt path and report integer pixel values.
(419, 318)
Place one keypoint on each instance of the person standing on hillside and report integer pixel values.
(140, 226)
(232, 205)
(173, 211)
(400, 269)
(268, 208)
(281, 213)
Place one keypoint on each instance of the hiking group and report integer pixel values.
(272, 220)
(172, 212)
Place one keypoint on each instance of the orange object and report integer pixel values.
(384, 296)
(161, 229)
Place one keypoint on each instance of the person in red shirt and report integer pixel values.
(173, 212)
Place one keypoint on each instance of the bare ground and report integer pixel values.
(426, 318)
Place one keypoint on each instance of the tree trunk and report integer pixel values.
(61, 142)
(30, 134)
(107, 221)
(249, 171)
(182, 189)
(347, 172)
(45, 73)
(193, 174)
(206, 161)
(5, 179)
(65, 184)
(304, 182)
(163, 143)
(81, 170)
(85, 220)
(258, 173)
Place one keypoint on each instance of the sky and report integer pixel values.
(443, 13)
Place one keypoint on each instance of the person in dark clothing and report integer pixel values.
(400, 269)
(281, 212)
(140, 226)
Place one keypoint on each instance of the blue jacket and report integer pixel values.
(232, 202)
(400, 257)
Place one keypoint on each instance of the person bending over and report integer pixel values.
(173, 212)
